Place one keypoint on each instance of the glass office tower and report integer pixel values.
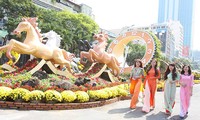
(179, 10)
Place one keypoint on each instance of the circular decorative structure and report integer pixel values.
(117, 46)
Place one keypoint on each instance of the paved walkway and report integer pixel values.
(115, 111)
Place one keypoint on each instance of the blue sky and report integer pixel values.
(116, 14)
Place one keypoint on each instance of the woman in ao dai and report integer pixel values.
(135, 79)
(150, 84)
(172, 77)
(186, 86)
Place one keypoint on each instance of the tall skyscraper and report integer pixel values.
(179, 10)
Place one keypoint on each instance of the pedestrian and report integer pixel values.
(135, 82)
(186, 87)
(150, 83)
(171, 77)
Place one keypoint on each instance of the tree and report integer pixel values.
(136, 51)
(14, 10)
(71, 26)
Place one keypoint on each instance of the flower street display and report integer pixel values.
(36, 95)
(52, 96)
(4, 92)
(68, 96)
(82, 96)
(14, 54)
(19, 94)
(27, 67)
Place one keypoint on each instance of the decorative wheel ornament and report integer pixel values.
(117, 46)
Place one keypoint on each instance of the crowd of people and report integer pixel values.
(171, 77)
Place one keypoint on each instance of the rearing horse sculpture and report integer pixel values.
(98, 54)
(32, 45)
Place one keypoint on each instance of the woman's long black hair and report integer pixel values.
(189, 71)
(155, 68)
(174, 74)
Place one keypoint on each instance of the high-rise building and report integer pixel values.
(179, 10)
(170, 35)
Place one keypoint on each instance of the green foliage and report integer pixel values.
(14, 10)
(136, 51)
(158, 53)
(17, 78)
(71, 26)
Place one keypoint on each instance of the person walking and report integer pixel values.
(150, 83)
(172, 77)
(186, 88)
(135, 82)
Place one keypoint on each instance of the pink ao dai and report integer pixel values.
(185, 93)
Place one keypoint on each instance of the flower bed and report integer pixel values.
(65, 96)
(52, 100)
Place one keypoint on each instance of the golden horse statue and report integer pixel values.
(98, 54)
(33, 45)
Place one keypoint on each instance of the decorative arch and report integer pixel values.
(117, 46)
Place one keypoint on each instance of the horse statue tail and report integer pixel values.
(33, 22)
(53, 39)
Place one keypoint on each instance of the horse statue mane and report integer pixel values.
(33, 22)
(53, 38)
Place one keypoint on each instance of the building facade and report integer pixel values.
(65, 5)
(169, 33)
(179, 10)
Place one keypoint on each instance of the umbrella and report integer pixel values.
(3, 33)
